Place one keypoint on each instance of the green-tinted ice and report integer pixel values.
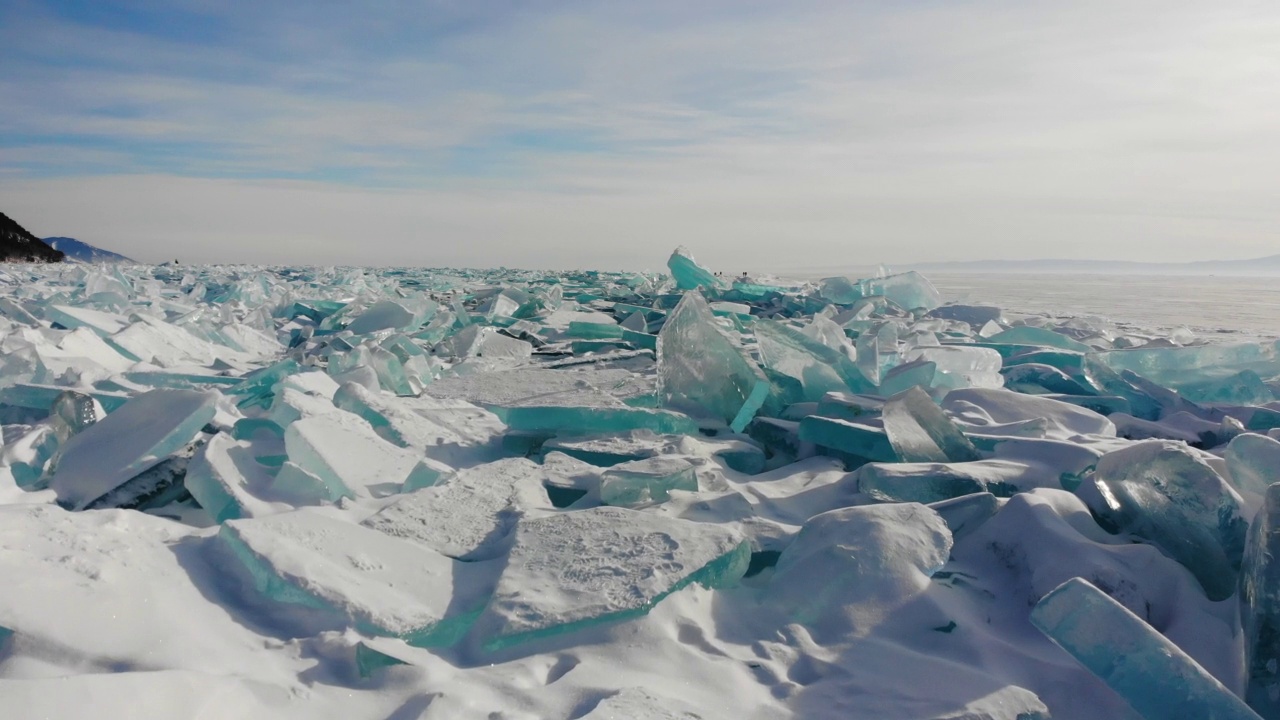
(919, 431)
(701, 368)
(1162, 492)
(1152, 674)
(640, 482)
(688, 274)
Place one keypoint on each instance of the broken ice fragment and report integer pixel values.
(959, 366)
(378, 584)
(855, 439)
(1152, 674)
(1026, 335)
(344, 451)
(71, 413)
(909, 290)
(645, 481)
(688, 274)
(580, 569)
(1165, 493)
(219, 477)
(141, 434)
(700, 366)
(817, 368)
(1253, 462)
(920, 432)
(574, 419)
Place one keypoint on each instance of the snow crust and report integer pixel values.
(250, 492)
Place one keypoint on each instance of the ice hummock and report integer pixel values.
(903, 480)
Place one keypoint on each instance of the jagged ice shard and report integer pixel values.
(699, 366)
(127, 442)
(920, 432)
(1151, 673)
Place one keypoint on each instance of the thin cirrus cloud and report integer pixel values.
(563, 133)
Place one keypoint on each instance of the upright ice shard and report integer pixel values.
(699, 366)
(688, 274)
(1152, 674)
(817, 368)
(1163, 492)
(579, 569)
(220, 476)
(138, 436)
(920, 432)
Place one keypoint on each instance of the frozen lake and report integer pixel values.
(1221, 306)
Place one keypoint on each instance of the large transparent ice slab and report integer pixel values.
(919, 431)
(816, 367)
(688, 274)
(221, 477)
(641, 482)
(1163, 492)
(584, 568)
(700, 366)
(376, 583)
(1152, 674)
(909, 290)
(1253, 462)
(138, 436)
(851, 438)
(958, 366)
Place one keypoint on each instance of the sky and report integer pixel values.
(761, 135)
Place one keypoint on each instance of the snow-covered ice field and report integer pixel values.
(237, 492)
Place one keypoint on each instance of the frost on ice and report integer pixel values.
(340, 492)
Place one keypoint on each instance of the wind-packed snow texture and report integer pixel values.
(242, 492)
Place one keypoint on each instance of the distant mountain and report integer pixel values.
(83, 252)
(18, 245)
(1269, 265)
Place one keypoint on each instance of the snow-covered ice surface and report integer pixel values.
(244, 492)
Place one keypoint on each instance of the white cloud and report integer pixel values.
(768, 135)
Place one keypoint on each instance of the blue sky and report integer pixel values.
(788, 135)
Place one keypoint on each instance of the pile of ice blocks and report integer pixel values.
(840, 498)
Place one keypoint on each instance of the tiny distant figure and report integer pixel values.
(744, 273)
(175, 262)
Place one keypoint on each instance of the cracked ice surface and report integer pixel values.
(345, 492)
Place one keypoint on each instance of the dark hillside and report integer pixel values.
(18, 245)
